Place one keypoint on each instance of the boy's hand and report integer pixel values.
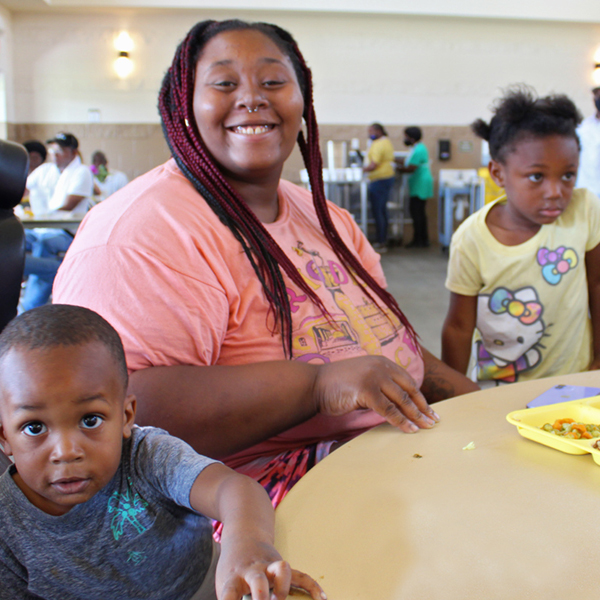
(304, 582)
(249, 563)
(268, 580)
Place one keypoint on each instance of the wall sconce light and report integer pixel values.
(596, 73)
(123, 64)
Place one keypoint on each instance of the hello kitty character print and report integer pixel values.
(511, 327)
(510, 321)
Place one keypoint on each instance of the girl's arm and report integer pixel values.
(249, 563)
(592, 265)
(457, 332)
(441, 382)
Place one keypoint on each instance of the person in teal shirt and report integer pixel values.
(420, 185)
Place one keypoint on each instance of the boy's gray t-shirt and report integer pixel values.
(136, 538)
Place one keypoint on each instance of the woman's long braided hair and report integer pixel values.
(195, 161)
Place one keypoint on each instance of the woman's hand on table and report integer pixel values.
(221, 410)
(377, 383)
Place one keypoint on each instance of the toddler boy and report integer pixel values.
(95, 507)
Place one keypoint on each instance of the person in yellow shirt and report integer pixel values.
(380, 169)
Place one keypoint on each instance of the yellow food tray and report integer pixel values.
(529, 420)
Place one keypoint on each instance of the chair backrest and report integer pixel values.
(14, 167)
(12, 262)
(5, 462)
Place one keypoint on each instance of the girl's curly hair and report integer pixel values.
(521, 113)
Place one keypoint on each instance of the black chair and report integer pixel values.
(5, 462)
(14, 167)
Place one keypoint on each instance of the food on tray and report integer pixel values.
(570, 429)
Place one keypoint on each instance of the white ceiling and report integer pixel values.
(24, 5)
(574, 10)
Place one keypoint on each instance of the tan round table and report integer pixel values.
(510, 519)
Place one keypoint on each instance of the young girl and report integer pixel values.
(525, 270)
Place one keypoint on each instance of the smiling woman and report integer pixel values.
(253, 313)
(248, 107)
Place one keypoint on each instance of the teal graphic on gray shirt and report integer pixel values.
(126, 507)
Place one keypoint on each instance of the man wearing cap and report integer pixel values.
(588, 175)
(72, 193)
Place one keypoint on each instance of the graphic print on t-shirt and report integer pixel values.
(356, 327)
(127, 507)
(556, 263)
(511, 327)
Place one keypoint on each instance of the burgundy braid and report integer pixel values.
(195, 161)
(311, 153)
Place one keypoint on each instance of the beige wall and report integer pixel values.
(6, 71)
(132, 148)
(433, 71)
(390, 68)
(137, 148)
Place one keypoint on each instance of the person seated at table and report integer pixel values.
(106, 181)
(42, 179)
(72, 193)
(37, 154)
(95, 507)
(253, 313)
(524, 271)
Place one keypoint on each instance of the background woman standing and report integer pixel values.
(381, 175)
(420, 185)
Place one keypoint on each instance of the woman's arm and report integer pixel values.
(457, 332)
(220, 410)
(592, 265)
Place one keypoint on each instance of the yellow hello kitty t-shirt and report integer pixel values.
(532, 299)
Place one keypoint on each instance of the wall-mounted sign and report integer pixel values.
(465, 146)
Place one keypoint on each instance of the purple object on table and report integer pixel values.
(563, 393)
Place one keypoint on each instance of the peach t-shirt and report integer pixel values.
(158, 264)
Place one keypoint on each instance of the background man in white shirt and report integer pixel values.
(588, 175)
(42, 178)
(72, 194)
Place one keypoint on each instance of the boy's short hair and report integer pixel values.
(62, 325)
